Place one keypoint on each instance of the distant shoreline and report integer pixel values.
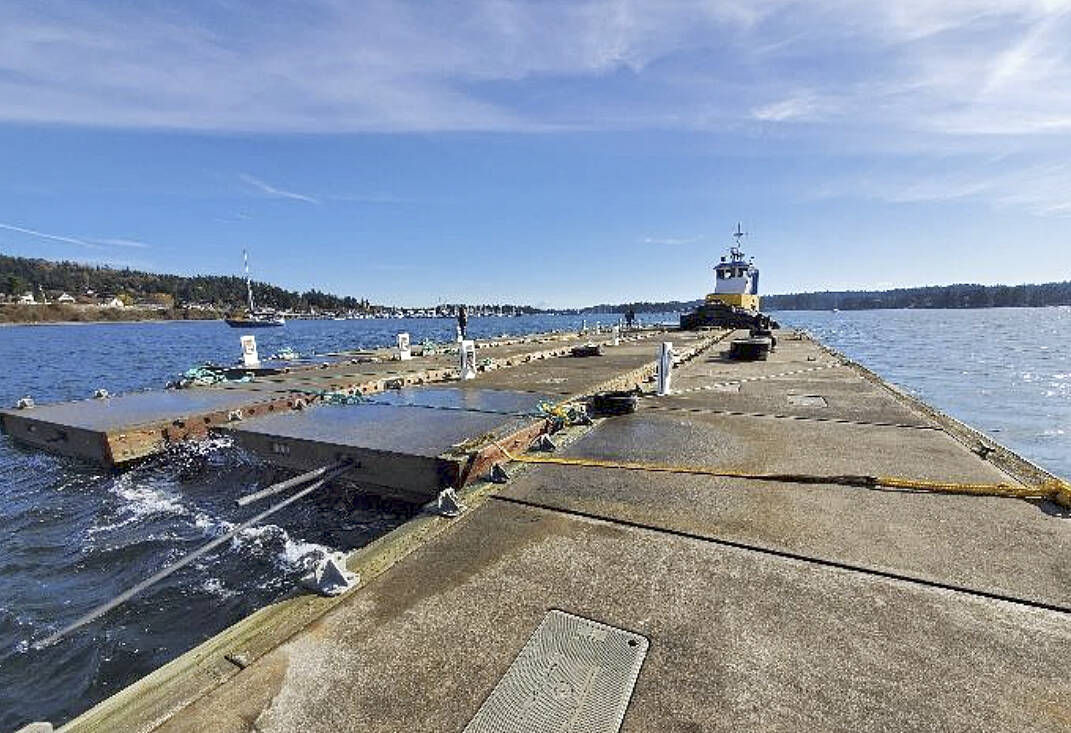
(915, 308)
(22, 314)
(13, 324)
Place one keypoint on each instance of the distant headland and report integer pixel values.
(930, 296)
(41, 291)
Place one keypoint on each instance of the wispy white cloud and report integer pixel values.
(941, 67)
(88, 242)
(981, 76)
(276, 192)
(670, 240)
(1040, 189)
(798, 107)
(52, 237)
(132, 243)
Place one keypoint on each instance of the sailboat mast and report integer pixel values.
(248, 284)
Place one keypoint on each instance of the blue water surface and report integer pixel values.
(76, 535)
(1004, 371)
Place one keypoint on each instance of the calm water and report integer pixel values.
(76, 535)
(1004, 371)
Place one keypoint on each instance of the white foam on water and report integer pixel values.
(204, 446)
(140, 501)
(214, 587)
(291, 554)
(301, 555)
(212, 526)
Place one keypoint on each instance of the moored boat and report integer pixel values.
(252, 317)
(735, 300)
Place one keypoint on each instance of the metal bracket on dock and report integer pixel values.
(330, 576)
(447, 504)
(544, 443)
(36, 728)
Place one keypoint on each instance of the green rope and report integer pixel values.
(205, 375)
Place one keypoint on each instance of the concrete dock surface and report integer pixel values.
(768, 605)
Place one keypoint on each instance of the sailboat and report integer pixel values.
(253, 318)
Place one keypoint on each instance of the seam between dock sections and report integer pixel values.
(806, 418)
(799, 557)
(1003, 458)
(745, 380)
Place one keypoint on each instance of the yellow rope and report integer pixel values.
(1055, 490)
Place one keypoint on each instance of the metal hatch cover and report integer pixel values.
(573, 674)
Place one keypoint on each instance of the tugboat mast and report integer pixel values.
(735, 250)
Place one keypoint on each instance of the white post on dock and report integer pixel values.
(404, 354)
(467, 359)
(665, 364)
(250, 358)
(617, 336)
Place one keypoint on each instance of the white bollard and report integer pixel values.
(665, 364)
(598, 327)
(617, 336)
(467, 359)
(250, 358)
(404, 354)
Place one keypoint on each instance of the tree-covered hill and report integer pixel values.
(934, 296)
(20, 274)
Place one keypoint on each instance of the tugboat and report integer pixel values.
(735, 300)
(254, 318)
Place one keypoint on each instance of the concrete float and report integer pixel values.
(115, 431)
(761, 604)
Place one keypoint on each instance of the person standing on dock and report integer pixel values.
(630, 318)
(462, 321)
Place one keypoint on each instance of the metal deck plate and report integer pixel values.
(393, 428)
(574, 674)
(807, 400)
(476, 400)
(139, 408)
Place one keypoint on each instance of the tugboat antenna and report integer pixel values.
(737, 236)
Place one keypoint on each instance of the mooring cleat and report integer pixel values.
(499, 475)
(101, 394)
(330, 577)
(447, 504)
(24, 403)
(545, 444)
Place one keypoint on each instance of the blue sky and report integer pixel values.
(558, 153)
